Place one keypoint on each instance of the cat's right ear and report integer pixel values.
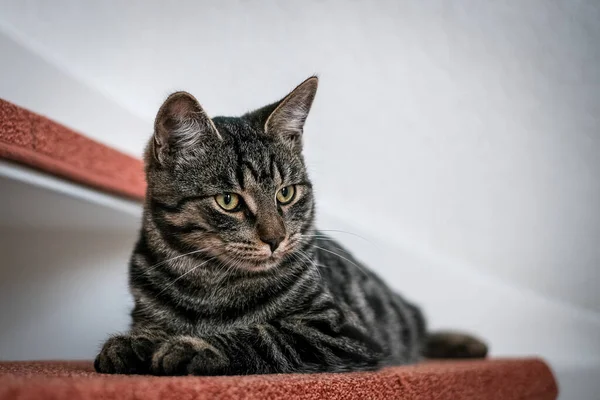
(288, 118)
(181, 123)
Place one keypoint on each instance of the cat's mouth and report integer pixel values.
(256, 260)
(255, 257)
(253, 264)
(264, 263)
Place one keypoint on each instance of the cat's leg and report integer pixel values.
(180, 354)
(453, 345)
(443, 344)
(127, 354)
(290, 345)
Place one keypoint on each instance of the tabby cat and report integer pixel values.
(230, 275)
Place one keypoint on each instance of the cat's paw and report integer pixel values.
(125, 355)
(187, 356)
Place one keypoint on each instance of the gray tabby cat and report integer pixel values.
(230, 276)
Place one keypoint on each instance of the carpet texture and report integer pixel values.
(35, 141)
(524, 379)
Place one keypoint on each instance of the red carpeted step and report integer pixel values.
(501, 379)
(33, 140)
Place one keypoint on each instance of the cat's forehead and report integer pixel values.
(244, 158)
(238, 127)
(244, 144)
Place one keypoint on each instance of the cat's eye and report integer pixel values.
(286, 194)
(228, 201)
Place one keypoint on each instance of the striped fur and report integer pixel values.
(210, 300)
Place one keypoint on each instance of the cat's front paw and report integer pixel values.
(125, 355)
(188, 356)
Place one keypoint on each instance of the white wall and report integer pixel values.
(463, 138)
(61, 293)
(63, 266)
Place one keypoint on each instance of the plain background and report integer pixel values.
(462, 139)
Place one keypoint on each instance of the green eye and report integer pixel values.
(286, 195)
(228, 201)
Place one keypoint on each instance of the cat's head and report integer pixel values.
(235, 189)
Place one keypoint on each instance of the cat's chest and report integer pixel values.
(213, 309)
(218, 316)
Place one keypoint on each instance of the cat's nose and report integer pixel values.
(271, 230)
(271, 235)
(273, 242)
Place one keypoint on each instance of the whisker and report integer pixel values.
(343, 258)
(230, 263)
(225, 267)
(307, 257)
(350, 233)
(188, 272)
(322, 237)
(153, 267)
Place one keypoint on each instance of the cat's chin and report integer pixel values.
(260, 266)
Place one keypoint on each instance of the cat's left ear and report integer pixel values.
(288, 118)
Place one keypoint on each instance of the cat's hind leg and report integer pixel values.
(453, 345)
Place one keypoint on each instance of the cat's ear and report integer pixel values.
(180, 123)
(288, 118)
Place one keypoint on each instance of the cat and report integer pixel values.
(231, 277)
